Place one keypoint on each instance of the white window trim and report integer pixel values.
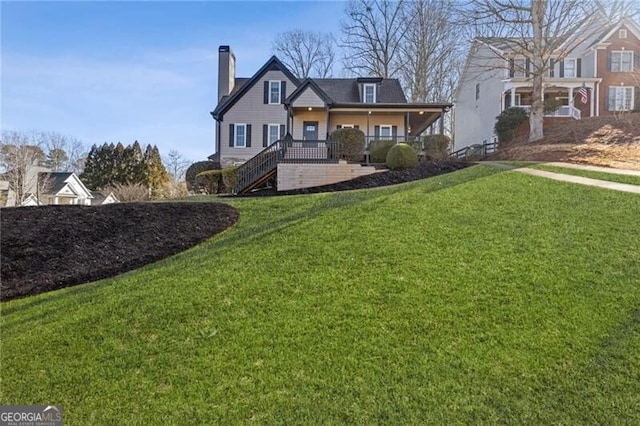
(364, 92)
(348, 126)
(575, 67)
(386, 126)
(278, 82)
(235, 135)
(621, 52)
(519, 71)
(622, 34)
(631, 99)
(269, 127)
(518, 100)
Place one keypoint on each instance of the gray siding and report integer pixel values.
(308, 98)
(250, 109)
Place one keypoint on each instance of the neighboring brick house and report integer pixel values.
(599, 76)
(253, 113)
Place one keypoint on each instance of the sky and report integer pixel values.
(104, 71)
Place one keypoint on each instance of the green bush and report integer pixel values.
(351, 144)
(209, 181)
(378, 150)
(507, 123)
(229, 178)
(401, 156)
(436, 146)
(195, 169)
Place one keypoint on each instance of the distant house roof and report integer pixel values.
(100, 197)
(273, 64)
(58, 181)
(339, 91)
(610, 29)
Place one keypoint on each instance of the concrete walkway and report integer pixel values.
(624, 187)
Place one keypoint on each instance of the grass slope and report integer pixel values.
(479, 296)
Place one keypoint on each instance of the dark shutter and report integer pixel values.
(512, 68)
(636, 98)
(608, 61)
(376, 132)
(356, 127)
(266, 92)
(265, 135)
(552, 64)
(339, 126)
(248, 136)
(579, 67)
(283, 87)
(282, 130)
(231, 129)
(528, 67)
(636, 61)
(606, 99)
(561, 69)
(394, 132)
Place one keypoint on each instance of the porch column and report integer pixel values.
(442, 121)
(327, 138)
(591, 96)
(504, 101)
(513, 97)
(406, 125)
(570, 96)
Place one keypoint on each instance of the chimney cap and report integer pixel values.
(223, 49)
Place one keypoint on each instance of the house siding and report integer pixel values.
(251, 109)
(308, 98)
(609, 78)
(357, 119)
(475, 118)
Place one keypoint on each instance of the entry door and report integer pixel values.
(310, 130)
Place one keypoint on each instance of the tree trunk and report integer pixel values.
(536, 117)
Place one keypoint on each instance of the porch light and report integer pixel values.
(310, 108)
(421, 112)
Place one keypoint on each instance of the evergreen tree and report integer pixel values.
(156, 175)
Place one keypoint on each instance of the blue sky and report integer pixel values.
(146, 71)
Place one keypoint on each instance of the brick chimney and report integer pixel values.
(226, 71)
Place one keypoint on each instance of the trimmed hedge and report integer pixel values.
(229, 178)
(219, 181)
(507, 123)
(197, 168)
(401, 156)
(436, 146)
(351, 144)
(379, 149)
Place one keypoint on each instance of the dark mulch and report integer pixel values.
(52, 247)
(383, 178)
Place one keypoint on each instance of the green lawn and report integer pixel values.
(613, 177)
(482, 296)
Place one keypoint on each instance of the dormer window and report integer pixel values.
(274, 92)
(369, 91)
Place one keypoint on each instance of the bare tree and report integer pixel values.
(539, 30)
(20, 161)
(429, 51)
(176, 165)
(306, 54)
(371, 37)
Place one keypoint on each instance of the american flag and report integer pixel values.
(583, 94)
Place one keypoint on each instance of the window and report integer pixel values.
(517, 101)
(240, 139)
(620, 98)
(570, 68)
(385, 132)
(519, 67)
(621, 61)
(346, 126)
(369, 93)
(274, 92)
(477, 91)
(622, 34)
(274, 133)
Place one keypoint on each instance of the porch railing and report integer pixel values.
(475, 151)
(563, 111)
(261, 166)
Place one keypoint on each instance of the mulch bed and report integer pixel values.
(52, 247)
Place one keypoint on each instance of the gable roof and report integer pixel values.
(59, 180)
(273, 64)
(342, 91)
(608, 32)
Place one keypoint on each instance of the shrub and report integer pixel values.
(507, 123)
(128, 192)
(351, 144)
(209, 181)
(378, 150)
(229, 178)
(436, 146)
(401, 156)
(195, 169)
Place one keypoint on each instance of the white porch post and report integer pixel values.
(571, 96)
(513, 97)
(591, 102)
(504, 101)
